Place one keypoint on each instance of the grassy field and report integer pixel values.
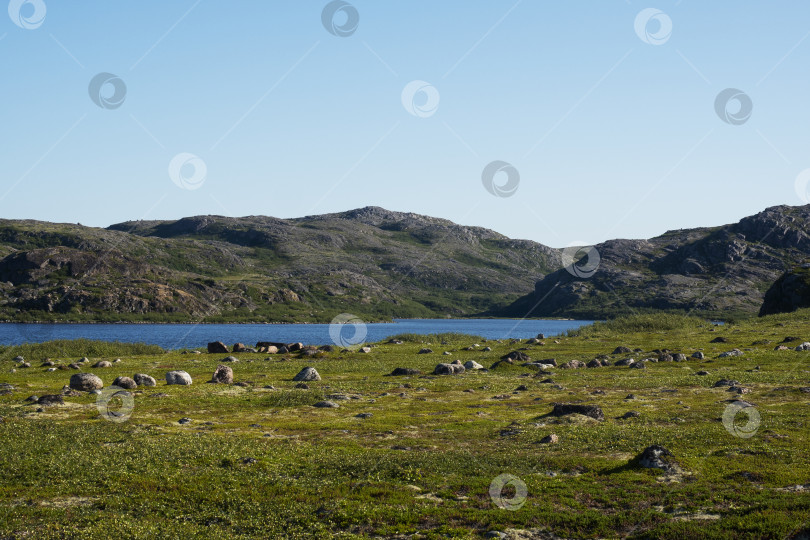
(258, 460)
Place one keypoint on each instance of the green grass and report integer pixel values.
(423, 462)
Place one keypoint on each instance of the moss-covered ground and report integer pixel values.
(257, 462)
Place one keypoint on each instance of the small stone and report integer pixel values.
(657, 457)
(550, 439)
(364, 350)
(184, 421)
(302, 386)
(631, 414)
(364, 415)
(726, 382)
(698, 355)
(562, 409)
(32, 399)
(19, 359)
(733, 352)
(425, 351)
(701, 373)
(230, 359)
(102, 364)
(622, 350)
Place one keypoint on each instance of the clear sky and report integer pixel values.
(609, 122)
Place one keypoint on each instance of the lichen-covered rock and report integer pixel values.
(178, 377)
(125, 382)
(85, 382)
(308, 374)
(222, 375)
(142, 379)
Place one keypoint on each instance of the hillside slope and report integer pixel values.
(720, 271)
(370, 262)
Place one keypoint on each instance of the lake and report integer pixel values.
(179, 336)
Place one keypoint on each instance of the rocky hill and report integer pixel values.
(789, 293)
(369, 262)
(378, 264)
(721, 271)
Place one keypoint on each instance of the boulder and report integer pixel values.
(292, 347)
(804, 346)
(230, 359)
(217, 347)
(85, 382)
(516, 356)
(425, 351)
(125, 382)
(19, 359)
(271, 349)
(238, 347)
(102, 364)
(327, 405)
(178, 377)
(550, 439)
(573, 364)
(405, 371)
(472, 365)
(725, 382)
(626, 362)
(698, 355)
(142, 379)
(222, 375)
(657, 457)
(51, 399)
(562, 409)
(733, 352)
(364, 350)
(719, 339)
(594, 363)
(621, 349)
(307, 374)
(448, 369)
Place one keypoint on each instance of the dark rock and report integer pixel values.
(625, 362)
(550, 439)
(302, 386)
(679, 357)
(364, 415)
(657, 457)
(516, 356)
(562, 409)
(425, 351)
(719, 339)
(184, 421)
(725, 382)
(405, 371)
(51, 399)
(621, 349)
(217, 347)
(327, 405)
(790, 291)
(573, 364)
(702, 373)
(630, 414)
(292, 347)
(448, 369)
(238, 347)
(698, 355)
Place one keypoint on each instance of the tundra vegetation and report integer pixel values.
(415, 456)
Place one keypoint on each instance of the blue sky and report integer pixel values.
(611, 136)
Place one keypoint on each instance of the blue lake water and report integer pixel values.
(178, 336)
